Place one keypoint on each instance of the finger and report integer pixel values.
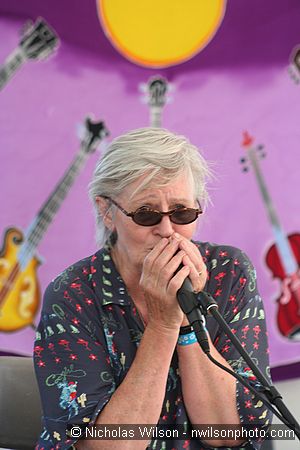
(155, 252)
(177, 280)
(154, 272)
(165, 256)
(169, 269)
(192, 248)
(193, 253)
(198, 280)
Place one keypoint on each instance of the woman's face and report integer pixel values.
(135, 241)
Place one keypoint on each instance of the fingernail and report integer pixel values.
(176, 236)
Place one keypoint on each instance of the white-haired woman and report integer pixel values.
(113, 346)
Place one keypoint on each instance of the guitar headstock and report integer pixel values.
(39, 40)
(156, 96)
(93, 134)
(252, 151)
(157, 88)
(294, 67)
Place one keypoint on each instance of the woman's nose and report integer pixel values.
(165, 227)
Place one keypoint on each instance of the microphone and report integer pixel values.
(190, 306)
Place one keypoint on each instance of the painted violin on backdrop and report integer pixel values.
(283, 257)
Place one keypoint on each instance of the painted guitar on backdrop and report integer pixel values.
(19, 290)
(37, 42)
(283, 257)
(156, 91)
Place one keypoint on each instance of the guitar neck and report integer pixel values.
(40, 224)
(283, 246)
(10, 66)
(155, 116)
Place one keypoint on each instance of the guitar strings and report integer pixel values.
(35, 232)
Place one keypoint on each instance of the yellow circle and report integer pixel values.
(160, 33)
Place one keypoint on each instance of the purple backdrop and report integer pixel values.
(240, 81)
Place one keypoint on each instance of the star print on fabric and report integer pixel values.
(89, 301)
(38, 350)
(84, 343)
(219, 277)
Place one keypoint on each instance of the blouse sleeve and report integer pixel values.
(71, 362)
(234, 280)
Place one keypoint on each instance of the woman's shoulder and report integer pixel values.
(221, 255)
(214, 250)
(79, 277)
(82, 269)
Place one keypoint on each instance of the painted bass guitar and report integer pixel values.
(19, 289)
(37, 42)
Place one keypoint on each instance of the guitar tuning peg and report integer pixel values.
(26, 28)
(261, 150)
(142, 87)
(293, 74)
(80, 130)
(296, 79)
(243, 162)
(171, 87)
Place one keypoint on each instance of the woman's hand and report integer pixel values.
(194, 260)
(198, 270)
(160, 285)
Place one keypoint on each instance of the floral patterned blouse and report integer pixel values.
(90, 329)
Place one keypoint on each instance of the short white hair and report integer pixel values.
(155, 153)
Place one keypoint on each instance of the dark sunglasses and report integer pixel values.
(148, 217)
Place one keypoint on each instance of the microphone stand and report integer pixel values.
(207, 305)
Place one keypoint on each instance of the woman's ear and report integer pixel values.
(104, 211)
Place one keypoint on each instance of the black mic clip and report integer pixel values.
(207, 302)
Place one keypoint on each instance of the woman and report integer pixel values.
(113, 346)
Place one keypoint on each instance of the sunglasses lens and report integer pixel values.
(184, 216)
(146, 218)
(149, 217)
